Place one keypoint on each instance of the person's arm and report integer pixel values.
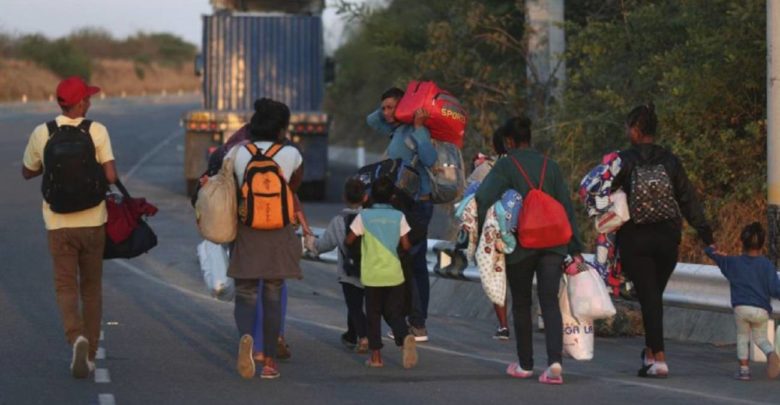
(351, 238)
(422, 138)
(405, 244)
(104, 151)
(355, 230)
(300, 216)
(296, 179)
(109, 168)
(491, 189)
(563, 195)
(330, 239)
(720, 260)
(28, 174)
(32, 162)
(377, 122)
(689, 203)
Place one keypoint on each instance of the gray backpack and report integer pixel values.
(447, 175)
(448, 178)
(652, 195)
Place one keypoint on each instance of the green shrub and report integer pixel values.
(59, 56)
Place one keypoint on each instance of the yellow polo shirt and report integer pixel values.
(33, 160)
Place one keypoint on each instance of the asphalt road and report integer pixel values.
(167, 342)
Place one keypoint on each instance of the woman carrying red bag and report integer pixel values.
(524, 262)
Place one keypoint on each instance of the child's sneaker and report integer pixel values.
(658, 369)
(375, 360)
(743, 374)
(514, 370)
(773, 365)
(282, 349)
(501, 334)
(79, 364)
(362, 346)
(269, 370)
(420, 334)
(245, 364)
(347, 341)
(552, 375)
(409, 352)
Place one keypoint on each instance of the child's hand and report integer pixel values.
(309, 241)
(717, 251)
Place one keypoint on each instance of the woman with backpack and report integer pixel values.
(266, 247)
(659, 195)
(523, 169)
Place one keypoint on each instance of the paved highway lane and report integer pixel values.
(167, 342)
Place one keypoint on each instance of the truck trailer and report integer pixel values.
(254, 49)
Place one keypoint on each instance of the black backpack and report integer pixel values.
(652, 195)
(352, 255)
(405, 177)
(73, 180)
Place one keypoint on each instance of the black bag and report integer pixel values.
(353, 253)
(140, 241)
(405, 177)
(652, 195)
(73, 180)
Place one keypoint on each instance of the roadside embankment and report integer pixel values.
(26, 81)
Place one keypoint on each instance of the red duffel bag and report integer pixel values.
(447, 121)
(124, 212)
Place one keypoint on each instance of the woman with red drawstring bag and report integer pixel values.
(547, 232)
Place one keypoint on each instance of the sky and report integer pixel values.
(57, 18)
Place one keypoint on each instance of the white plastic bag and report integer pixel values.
(589, 296)
(616, 215)
(577, 335)
(214, 263)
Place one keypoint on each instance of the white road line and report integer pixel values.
(101, 354)
(102, 376)
(101, 335)
(428, 347)
(106, 399)
(151, 154)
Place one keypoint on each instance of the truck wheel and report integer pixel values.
(312, 190)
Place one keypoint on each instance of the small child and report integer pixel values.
(382, 229)
(754, 281)
(335, 234)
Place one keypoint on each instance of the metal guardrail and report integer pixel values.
(695, 286)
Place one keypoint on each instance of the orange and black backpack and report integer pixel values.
(267, 201)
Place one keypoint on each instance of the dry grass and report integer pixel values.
(727, 223)
(19, 77)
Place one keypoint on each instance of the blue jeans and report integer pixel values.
(419, 217)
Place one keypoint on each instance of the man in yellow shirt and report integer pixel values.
(74, 212)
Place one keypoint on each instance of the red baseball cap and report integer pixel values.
(72, 90)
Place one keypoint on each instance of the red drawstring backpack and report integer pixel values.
(543, 222)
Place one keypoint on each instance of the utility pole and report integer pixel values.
(546, 65)
(773, 126)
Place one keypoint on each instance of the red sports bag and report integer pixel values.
(543, 222)
(447, 120)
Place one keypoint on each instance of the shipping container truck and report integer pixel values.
(254, 49)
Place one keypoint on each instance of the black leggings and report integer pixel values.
(648, 254)
(547, 267)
